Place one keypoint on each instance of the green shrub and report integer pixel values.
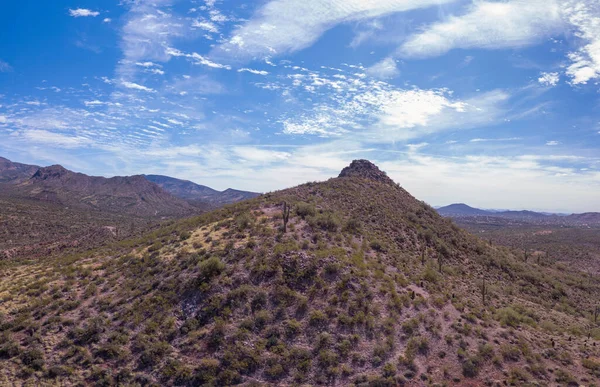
(209, 269)
(33, 358)
(292, 328)
(206, 372)
(304, 210)
(317, 319)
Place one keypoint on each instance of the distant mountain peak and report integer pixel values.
(366, 170)
(53, 171)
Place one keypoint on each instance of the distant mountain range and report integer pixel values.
(461, 210)
(148, 196)
(196, 193)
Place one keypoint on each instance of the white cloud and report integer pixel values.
(254, 154)
(494, 139)
(384, 69)
(552, 143)
(252, 71)
(196, 58)
(489, 25)
(585, 17)
(206, 25)
(135, 86)
(53, 138)
(147, 32)
(83, 12)
(549, 79)
(106, 20)
(282, 26)
(3, 119)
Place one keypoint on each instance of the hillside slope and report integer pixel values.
(362, 284)
(11, 172)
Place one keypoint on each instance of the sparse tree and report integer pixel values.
(423, 255)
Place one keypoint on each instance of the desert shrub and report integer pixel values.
(206, 372)
(377, 246)
(510, 317)
(410, 326)
(209, 269)
(153, 354)
(261, 318)
(328, 358)
(317, 318)
(470, 367)
(57, 370)
(274, 371)
(243, 221)
(91, 333)
(418, 344)
(564, 377)
(592, 365)
(327, 222)
(510, 352)
(292, 328)
(352, 226)
(9, 350)
(185, 235)
(304, 210)
(33, 358)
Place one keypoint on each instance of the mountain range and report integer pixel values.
(153, 196)
(461, 210)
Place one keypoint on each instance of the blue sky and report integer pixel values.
(492, 103)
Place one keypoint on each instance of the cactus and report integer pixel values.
(484, 291)
(286, 215)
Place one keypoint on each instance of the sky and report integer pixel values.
(491, 103)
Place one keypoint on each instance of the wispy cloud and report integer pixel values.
(489, 25)
(83, 12)
(283, 26)
(253, 71)
(585, 62)
(384, 69)
(135, 86)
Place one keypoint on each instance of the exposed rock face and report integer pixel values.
(366, 170)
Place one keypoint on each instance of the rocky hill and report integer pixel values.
(351, 281)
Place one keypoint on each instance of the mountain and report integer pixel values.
(132, 195)
(197, 193)
(461, 209)
(351, 281)
(11, 172)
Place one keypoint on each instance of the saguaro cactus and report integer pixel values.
(286, 215)
(483, 291)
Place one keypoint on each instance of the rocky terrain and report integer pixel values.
(351, 281)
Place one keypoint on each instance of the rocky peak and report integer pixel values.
(366, 170)
(51, 172)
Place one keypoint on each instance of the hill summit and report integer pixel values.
(367, 170)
